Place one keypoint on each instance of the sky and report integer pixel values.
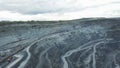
(24, 10)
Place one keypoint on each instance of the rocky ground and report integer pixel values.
(84, 43)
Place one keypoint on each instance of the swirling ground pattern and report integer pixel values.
(81, 44)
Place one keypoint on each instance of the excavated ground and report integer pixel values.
(86, 43)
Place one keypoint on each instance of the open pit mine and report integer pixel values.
(81, 43)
